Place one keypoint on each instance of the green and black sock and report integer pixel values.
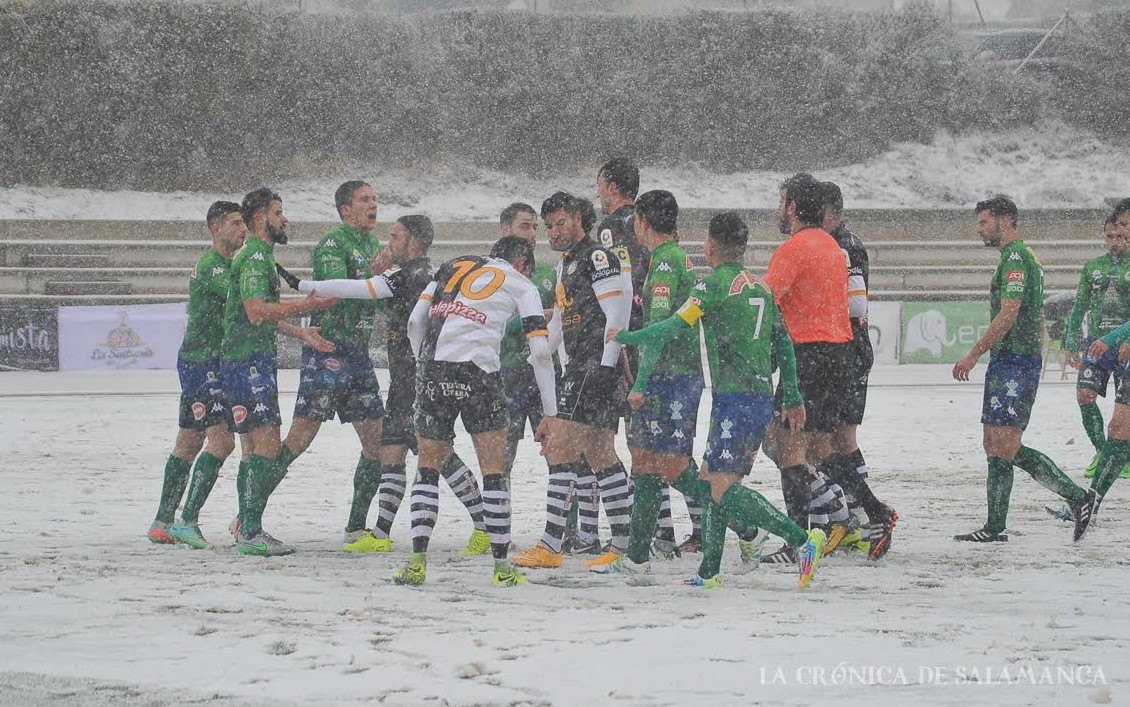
(172, 487)
(204, 476)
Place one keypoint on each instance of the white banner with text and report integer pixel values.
(139, 336)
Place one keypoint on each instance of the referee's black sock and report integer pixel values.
(795, 485)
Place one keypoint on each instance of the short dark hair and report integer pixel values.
(660, 209)
(562, 200)
(255, 201)
(345, 192)
(833, 196)
(803, 190)
(219, 209)
(624, 174)
(511, 248)
(1120, 208)
(588, 215)
(420, 228)
(511, 212)
(999, 205)
(728, 230)
(1111, 219)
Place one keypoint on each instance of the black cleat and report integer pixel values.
(984, 535)
(1083, 513)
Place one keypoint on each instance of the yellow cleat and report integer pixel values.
(605, 558)
(414, 573)
(362, 542)
(836, 534)
(479, 544)
(539, 556)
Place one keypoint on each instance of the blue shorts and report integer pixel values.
(1094, 373)
(666, 422)
(737, 426)
(253, 392)
(341, 383)
(202, 400)
(1010, 389)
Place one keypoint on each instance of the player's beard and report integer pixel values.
(783, 225)
(278, 235)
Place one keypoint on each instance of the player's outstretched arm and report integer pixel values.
(372, 288)
(308, 335)
(260, 311)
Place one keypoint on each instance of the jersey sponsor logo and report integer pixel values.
(606, 238)
(1015, 287)
(199, 411)
(664, 267)
(455, 308)
(332, 364)
(599, 259)
(1016, 276)
(239, 414)
(661, 291)
(571, 269)
(455, 389)
(741, 281)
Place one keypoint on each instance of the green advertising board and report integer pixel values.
(941, 332)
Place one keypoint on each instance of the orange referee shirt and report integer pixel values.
(809, 279)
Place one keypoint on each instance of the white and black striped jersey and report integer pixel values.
(471, 300)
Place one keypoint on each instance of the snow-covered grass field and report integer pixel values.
(92, 614)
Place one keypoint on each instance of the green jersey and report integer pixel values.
(207, 292)
(253, 276)
(343, 254)
(1019, 276)
(515, 347)
(744, 331)
(1102, 300)
(670, 279)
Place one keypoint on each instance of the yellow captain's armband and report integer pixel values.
(690, 312)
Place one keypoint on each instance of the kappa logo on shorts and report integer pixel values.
(217, 407)
(260, 408)
(726, 455)
(199, 411)
(239, 414)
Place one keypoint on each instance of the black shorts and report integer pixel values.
(862, 358)
(398, 428)
(825, 375)
(584, 398)
(446, 391)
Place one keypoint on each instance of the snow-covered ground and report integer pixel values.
(92, 614)
(1052, 166)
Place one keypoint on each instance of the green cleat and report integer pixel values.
(415, 572)
(189, 534)
(750, 550)
(363, 541)
(622, 565)
(263, 545)
(506, 576)
(711, 583)
(479, 544)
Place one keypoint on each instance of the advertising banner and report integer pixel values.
(941, 332)
(884, 325)
(29, 339)
(139, 336)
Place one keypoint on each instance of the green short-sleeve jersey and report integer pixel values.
(253, 276)
(207, 292)
(515, 347)
(1019, 276)
(742, 325)
(343, 254)
(670, 280)
(1102, 299)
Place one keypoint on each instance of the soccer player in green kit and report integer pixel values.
(1013, 338)
(661, 431)
(204, 413)
(1103, 301)
(253, 315)
(744, 331)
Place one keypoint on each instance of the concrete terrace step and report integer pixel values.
(77, 288)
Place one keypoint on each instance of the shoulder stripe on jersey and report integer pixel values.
(425, 296)
(613, 293)
(537, 332)
(372, 290)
